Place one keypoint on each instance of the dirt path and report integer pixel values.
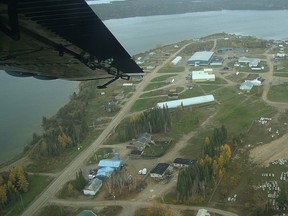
(130, 207)
(263, 155)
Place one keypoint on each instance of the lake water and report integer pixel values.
(24, 101)
(143, 33)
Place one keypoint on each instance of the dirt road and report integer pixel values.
(130, 207)
(263, 155)
(68, 173)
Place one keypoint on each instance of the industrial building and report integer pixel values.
(252, 62)
(217, 61)
(201, 58)
(202, 76)
(187, 101)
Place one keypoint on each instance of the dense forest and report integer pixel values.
(132, 8)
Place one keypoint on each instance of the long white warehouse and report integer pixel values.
(187, 101)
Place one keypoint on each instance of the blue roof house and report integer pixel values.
(115, 164)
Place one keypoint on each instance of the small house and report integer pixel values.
(92, 187)
(135, 153)
(160, 170)
(182, 162)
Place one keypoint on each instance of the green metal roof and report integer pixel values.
(86, 213)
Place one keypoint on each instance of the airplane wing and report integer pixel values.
(62, 39)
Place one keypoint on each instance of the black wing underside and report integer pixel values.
(59, 39)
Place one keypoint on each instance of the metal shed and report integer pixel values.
(187, 101)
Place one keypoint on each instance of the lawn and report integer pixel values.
(280, 74)
(160, 92)
(143, 104)
(162, 78)
(155, 85)
(208, 89)
(172, 69)
(278, 93)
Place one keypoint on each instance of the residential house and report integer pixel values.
(182, 162)
(160, 170)
(92, 187)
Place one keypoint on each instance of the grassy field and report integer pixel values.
(162, 78)
(160, 92)
(37, 185)
(281, 74)
(278, 93)
(172, 69)
(143, 104)
(155, 85)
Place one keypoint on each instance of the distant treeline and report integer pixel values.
(133, 8)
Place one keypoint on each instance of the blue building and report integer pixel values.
(107, 167)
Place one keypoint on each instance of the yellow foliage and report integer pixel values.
(17, 179)
(3, 194)
(70, 188)
(134, 118)
(208, 159)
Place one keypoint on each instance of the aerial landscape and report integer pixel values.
(203, 132)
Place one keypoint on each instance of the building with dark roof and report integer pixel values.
(201, 58)
(182, 162)
(135, 153)
(160, 170)
(143, 140)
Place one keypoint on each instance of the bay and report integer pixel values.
(24, 101)
(142, 33)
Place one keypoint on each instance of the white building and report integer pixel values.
(252, 62)
(176, 60)
(246, 86)
(92, 187)
(203, 212)
(203, 76)
(187, 101)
